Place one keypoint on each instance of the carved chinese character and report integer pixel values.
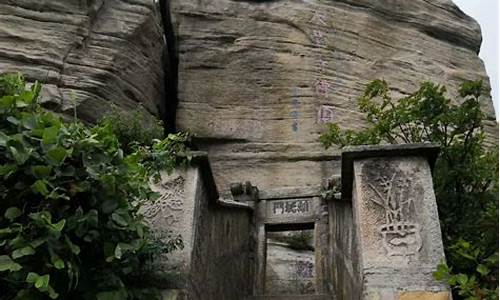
(322, 87)
(278, 208)
(319, 38)
(326, 114)
(303, 206)
(323, 64)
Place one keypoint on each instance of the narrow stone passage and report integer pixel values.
(290, 263)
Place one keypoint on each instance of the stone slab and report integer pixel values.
(351, 153)
(290, 211)
(397, 225)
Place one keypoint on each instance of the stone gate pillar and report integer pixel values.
(397, 237)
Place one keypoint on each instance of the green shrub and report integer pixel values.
(465, 175)
(133, 129)
(297, 240)
(70, 226)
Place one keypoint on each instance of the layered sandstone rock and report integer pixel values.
(258, 80)
(91, 54)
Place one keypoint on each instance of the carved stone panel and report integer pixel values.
(396, 212)
(289, 211)
(171, 216)
(167, 211)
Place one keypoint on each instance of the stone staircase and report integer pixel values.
(291, 297)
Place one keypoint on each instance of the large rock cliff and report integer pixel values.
(91, 53)
(258, 80)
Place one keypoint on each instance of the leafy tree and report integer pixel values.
(70, 226)
(465, 176)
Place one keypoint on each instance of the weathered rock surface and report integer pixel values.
(89, 53)
(289, 271)
(258, 80)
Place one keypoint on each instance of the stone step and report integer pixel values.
(291, 297)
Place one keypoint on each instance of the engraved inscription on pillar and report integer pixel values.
(394, 193)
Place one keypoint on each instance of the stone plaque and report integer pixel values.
(290, 211)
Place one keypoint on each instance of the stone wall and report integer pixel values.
(170, 216)
(216, 260)
(221, 264)
(346, 275)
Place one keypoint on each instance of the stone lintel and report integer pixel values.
(290, 211)
(290, 192)
(352, 153)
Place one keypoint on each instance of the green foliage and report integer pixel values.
(133, 129)
(70, 226)
(465, 176)
(478, 283)
(298, 240)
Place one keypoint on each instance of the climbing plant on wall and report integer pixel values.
(465, 176)
(70, 226)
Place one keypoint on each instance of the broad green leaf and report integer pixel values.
(49, 135)
(5, 231)
(462, 279)
(12, 213)
(7, 264)
(442, 272)
(19, 154)
(20, 103)
(57, 262)
(42, 218)
(32, 277)
(42, 282)
(40, 186)
(57, 155)
(13, 120)
(58, 227)
(119, 219)
(7, 170)
(18, 242)
(482, 269)
(41, 172)
(25, 251)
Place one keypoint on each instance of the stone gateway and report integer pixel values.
(257, 83)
